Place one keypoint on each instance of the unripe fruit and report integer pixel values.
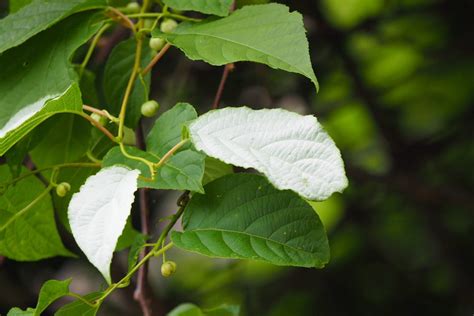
(99, 118)
(156, 43)
(168, 25)
(168, 268)
(62, 189)
(133, 7)
(150, 108)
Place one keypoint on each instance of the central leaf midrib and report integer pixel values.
(250, 235)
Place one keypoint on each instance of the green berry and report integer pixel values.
(99, 118)
(168, 25)
(150, 108)
(133, 7)
(168, 268)
(156, 43)
(62, 189)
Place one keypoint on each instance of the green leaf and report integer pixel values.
(242, 216)
(116, 75)
(186, 309)
(267, 34)
(50, 292)
(128, 237)
(16, 5)
(37, 79)
(223, 310)
(189, 309)
(216, 7)
(64, 138)
(80, 308)
(137, 246)
(18, 312)
(32, 235)
(215, 169)
(39, 15)
(166, 131)
(183, 171)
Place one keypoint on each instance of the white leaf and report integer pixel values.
(292, 150)
(99, 211)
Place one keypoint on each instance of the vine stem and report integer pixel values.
(170, 153)
(94, 42)
(157, 250)
(99, 127)
(103, 113)
(122, 17)
(217, 100)
(141, 293)
(227, 69)
(165, 14)
(156, 59)
(60, 166)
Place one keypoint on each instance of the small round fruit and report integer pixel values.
(133, 7)
(168, 268)
(168, 25)
(99, 118)
(62, 189)
(156, 43)
(150, 108)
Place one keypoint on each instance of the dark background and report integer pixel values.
(397, 94)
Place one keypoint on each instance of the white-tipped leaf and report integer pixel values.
(292, 150)
(99, 211)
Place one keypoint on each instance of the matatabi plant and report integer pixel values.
(91, 150)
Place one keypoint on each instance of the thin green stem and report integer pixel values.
(149, 164)
(99, 126)
(181, 17)
(94, 42)
(164, 14)
(127, 277)
(156, 251)
(79, 297)
(60, 166)
(26, 208)
(170, 153)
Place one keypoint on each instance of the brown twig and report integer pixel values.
(121, 18)
(227, 68)
(141, 294)
(217, 99)
(99, 126)
(156, 59)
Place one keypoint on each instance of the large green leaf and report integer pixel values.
(37, 79)
(39, 15)
(33, 234)
(64, 138)
(50, 292)
(116, 75)
(267, 34)
(166, 131)
(15, 5)
(242, 216)
(183, 171)
(215, 169)
(216, 7)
